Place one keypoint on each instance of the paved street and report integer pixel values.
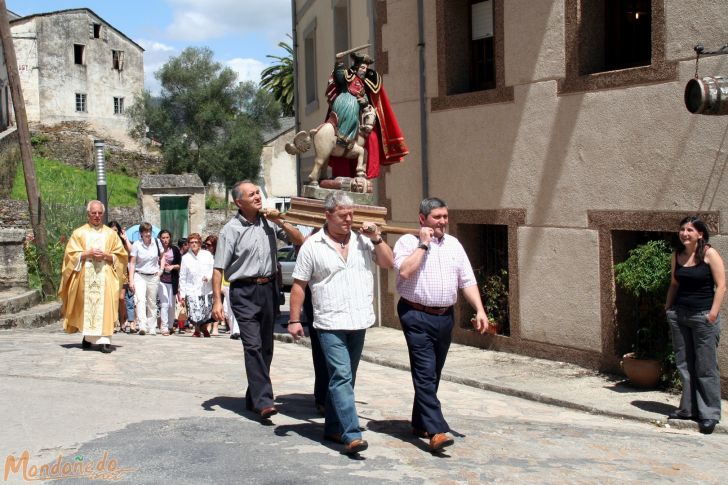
(171, 410)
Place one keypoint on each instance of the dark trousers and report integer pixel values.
(254, 309)
(321, 372)
(428, 340)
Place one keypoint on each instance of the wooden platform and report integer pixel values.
(310, 212)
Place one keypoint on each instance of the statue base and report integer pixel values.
(320, 193)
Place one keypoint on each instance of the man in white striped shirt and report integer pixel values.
(432, 267)
(338, 264)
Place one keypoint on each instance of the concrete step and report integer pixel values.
(37, 316)
(14, 300)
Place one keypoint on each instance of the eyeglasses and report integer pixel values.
(194, 241)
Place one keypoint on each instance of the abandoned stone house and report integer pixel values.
(75, 66)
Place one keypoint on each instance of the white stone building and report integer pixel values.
(75, 66)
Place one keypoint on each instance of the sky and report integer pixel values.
(240, 32)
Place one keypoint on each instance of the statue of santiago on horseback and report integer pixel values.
(360, 132)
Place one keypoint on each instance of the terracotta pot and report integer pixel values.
(641, 372)
(493, 327)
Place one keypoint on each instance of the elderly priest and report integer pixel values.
(91, 278)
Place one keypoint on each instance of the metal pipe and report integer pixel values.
(101, 177)
(424, 154)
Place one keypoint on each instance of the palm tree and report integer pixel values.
(278, 79)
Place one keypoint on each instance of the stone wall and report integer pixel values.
(14, 213)
(13, 270)
(73, 144)
(9, 160)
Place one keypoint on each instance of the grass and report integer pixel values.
(65, 190)
(61, 183)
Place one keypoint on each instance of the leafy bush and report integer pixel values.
(645, 274)
(60, 221)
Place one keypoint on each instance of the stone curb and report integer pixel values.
(37, 316)
(371, 357)
(19, 301)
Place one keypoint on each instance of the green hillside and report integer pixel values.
(63, 184)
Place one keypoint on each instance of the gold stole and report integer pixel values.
(94, 286)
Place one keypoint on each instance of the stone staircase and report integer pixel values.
(22, 308)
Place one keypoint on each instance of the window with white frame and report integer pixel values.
(118, 106)
(81, 102)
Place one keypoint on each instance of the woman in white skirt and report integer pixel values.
(145, 268)
(195, 284)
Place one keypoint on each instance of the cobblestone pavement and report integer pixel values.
(171, 410)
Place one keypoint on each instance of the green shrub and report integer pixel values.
(645, 274)
(60, 221)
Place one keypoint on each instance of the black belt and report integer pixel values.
(147, 274)
(255, 280)
(432, 310)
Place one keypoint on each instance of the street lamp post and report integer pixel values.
(101, 177)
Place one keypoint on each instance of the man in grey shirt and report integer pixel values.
(246, 253)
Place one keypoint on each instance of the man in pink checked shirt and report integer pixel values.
(432, 267)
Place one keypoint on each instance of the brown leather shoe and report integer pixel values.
(355, 447)
(440, 441)
(420, 433)
(266, 413)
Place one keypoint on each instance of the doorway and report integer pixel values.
(174, 215)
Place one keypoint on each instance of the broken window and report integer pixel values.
(118, 106)
(81, 102)
(117, 60)
(95, 31)
(79, 51)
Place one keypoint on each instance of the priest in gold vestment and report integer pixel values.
(91, 278)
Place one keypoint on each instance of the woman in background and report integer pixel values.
(210, 244)
(168, 281)
(126, 311)
(145, 268)
(696, 293)
(195, 284)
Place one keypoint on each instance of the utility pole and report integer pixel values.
(31, 185)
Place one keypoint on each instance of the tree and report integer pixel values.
(206, 121)
(278, 79)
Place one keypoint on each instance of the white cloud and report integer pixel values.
(156, 55)
(247, 69)
(209, 19)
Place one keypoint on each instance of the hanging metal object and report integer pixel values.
(707, 95)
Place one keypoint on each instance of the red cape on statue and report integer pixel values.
(385, 144)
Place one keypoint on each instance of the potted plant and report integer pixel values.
(494, 290)
(645, 275)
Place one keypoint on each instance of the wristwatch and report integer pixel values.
(378, 241)
(423, 246)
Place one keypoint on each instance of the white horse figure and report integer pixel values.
(323, 139)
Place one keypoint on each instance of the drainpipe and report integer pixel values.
(423, 101)
(378, 273)
(101, 177)
(297, 121)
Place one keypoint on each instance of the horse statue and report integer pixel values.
(326, 143)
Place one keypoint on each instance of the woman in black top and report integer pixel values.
(693, 304)
(168, 281)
